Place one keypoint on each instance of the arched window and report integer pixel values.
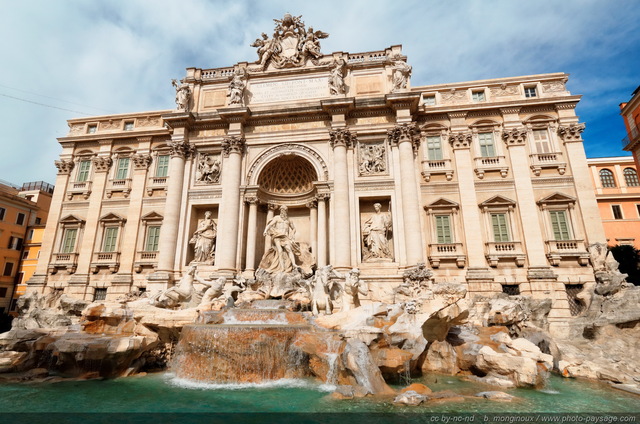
(606, 178)
(631, 177)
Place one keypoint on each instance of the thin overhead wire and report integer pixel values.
(45, 105)
(54, 98)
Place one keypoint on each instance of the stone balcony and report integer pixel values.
(82, 188)
(447, 252)
(123, 186)
(504, 251)
(67, 261)
(109, 260)
(156, 183)
(145, 259)
(437, 167)
(540, 161)
(491, 164)
(557, 250)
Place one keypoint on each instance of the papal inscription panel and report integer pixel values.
(295, 89)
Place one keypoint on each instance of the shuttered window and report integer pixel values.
(110, 237)
(559, 225)
(83, 171)
(541, 140)
(123, 169)
(434, 147)
(443, 229)
(500, 229)
(162, 167)
(153, 235)
(487, 148)
(69, 240)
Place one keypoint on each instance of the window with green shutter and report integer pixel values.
(110, 238)
(153, 235)
(83, 171)
(434, 147)
(69, 240)
(500, 228)
(487, 148)
(559, 225)
(443, 229)
(162, 167)
(123, 169)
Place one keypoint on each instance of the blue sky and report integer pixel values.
(99, 57)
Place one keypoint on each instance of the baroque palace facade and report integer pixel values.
(486, 182)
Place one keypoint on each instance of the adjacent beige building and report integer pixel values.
(484, 181)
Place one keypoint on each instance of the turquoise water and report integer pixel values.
(163, 393)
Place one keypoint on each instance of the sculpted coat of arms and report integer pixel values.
(292, 45)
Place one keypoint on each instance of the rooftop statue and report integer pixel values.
(292, 45)
(183, 95)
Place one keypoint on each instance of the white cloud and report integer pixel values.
(119, 56)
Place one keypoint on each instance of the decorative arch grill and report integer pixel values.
(631, 177)
(606, 178)
(289, 174)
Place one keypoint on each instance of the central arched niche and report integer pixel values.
(287, 179)
(287, 175)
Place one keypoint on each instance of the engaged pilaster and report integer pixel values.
(250, 264)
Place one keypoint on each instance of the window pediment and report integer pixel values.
(72, 220)
(112, 218)
(152, 216)
(442, 205)
(497, 202)
(557, 199)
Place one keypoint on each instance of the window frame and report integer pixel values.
(156, 228)
(429, 141)
(633, 176)
(481, 135)
(500, 237)
(567, 222)
(110, 239)
(537, 143)
(128, 125)
(444, 238)
(20, 218)
(83, 175)
(121, 171)
(12, 268)
(616, 212)
(112, 228)
(431, 101)
(161, 166)
(527, 93)
(478, 96)
(65, 247)
(3, 212)
(607, 178)
(92, 128)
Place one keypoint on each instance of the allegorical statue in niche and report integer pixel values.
(372, 160)
(208, 170)
(375, 231)
(183, 94)
(203, 240)
(281, 255)
(336, 78)
(236, 88)
(401, 74)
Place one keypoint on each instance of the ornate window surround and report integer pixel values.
(553, 159)
(436, 166)
(120, 185)
(66, 260)
(111, 259)
(145, 258)
(498, 162)
(453, 251)
(497, 250)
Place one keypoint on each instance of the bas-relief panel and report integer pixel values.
(370, 84)
(372, 159)
(210, 132)
(288, 90)
(370, 120)
(286, 127)
(214, 98)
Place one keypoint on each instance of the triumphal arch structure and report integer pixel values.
(484, 182)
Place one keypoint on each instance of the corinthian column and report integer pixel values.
(407, 138)
(341, 140)
(180, 151)
(313, 226)
(321, 255)
(229, 219)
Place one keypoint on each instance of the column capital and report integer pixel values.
(141, 161)
(571, 133)
(181, 148)
(322, 197)
(252, 200)
(102, 163)
(64, 166)
(272, 206)
(233, 144)
(312, 204)
(460, 140)
(405, 133)
(342, 137)
(515, 136)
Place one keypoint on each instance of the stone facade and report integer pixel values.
(485, 181)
